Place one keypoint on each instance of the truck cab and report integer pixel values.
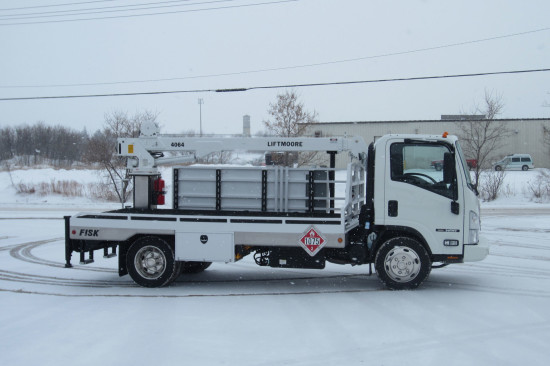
(422, 214)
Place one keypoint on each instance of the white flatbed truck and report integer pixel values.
(393, 210)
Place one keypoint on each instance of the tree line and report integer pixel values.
(41, 144)
(61, 146)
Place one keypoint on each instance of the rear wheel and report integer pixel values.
(194, 267)
(525, 168)
(151, 262)
(402, 263)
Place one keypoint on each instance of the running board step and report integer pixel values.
(106, 253)
(89, 260)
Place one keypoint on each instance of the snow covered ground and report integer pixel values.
(494, 312)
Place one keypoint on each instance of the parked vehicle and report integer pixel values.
(515, 162)
(392, 210)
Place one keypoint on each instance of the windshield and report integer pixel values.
(464, 165)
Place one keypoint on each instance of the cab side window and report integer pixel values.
(421, 165)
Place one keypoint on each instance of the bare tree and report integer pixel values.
(120, 124)
(490, 184)
(7, 143)
(546, 128)
(543, 179)
(101, 148)
(290, 119)
(481, 138)
(219, 157)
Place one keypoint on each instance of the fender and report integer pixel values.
(389, 232)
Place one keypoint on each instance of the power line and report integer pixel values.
(108, 9)
(390, 80)
(55, 5)
(398, 53)
(230, 90)
(150, 14)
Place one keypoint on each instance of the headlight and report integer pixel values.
(473, 238)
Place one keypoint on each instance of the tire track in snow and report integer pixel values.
(23, 252)
(177, 296)
(488, 288)
(58, 281)
(9, 247)
(529, 257)
(499, 270)
(520, 245)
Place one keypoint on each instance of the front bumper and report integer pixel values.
(478, 252)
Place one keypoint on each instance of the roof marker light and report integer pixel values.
(445, 134)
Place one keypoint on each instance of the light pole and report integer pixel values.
(201, 102)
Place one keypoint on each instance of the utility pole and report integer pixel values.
(201, 102)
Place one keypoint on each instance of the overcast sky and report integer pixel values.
(197, 45)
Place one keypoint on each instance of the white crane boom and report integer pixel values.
(146, 152)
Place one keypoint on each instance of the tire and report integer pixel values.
(402, 263)
(525, 168)
(194, 267)
(498, 168)
(151, 262)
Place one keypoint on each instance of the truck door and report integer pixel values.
(422, 194)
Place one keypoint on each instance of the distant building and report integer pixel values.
(462, 117)
(246, 125)
(527, 133)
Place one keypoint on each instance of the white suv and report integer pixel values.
(515, 162)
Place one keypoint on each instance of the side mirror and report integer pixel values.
(455, 207)
(449, 177)
(449, 170)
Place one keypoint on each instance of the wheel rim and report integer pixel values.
(402, 264)
(150, 262)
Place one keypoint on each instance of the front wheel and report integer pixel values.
(151, 262)
(402, 263)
